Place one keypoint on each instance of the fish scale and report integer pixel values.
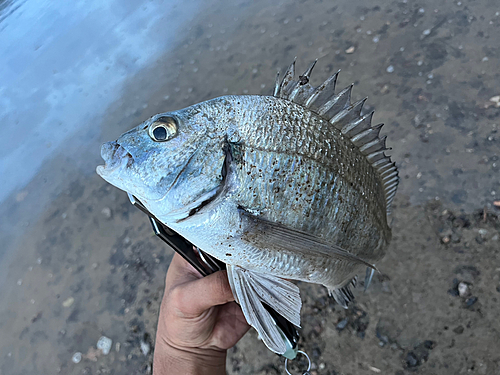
(290, 186)
(325, 206)
(326, 143)
(337, 158)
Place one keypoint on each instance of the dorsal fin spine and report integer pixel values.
(277, 84)
(303, 80)
(372, 132)
(327, 86)
(343, 97)
(376, 144)
(389, 175)
(346, 117)
(287, 78)
(375, 155)
(355, 127)
(385, 168)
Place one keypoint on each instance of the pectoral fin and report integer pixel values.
(266, 234)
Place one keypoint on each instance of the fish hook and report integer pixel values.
(308, 360)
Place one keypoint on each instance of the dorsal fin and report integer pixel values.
(344, 116)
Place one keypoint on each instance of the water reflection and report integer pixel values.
(62, 63)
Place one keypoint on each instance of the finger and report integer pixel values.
(180, 272)
(199, 295)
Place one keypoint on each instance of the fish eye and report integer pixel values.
(160, 133)
(163, 129)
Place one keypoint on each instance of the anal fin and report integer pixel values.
(343, 296)
(251, 289)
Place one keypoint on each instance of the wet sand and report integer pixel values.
(80, 262)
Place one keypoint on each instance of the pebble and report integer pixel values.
(427, 32)
(374, 369)
(445, 239)
(77, 357)
(483, 232)
(463, 289)
(342, 324)
(411, 360)
(470, 301)
(351, 49)
(454, 289)
(145, 347)
(495, 99)
(68, 302)
(104, 344)
(106, 211)
(390, 69)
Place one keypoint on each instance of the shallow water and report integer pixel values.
(75, 74)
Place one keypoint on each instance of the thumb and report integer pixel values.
(199, 295)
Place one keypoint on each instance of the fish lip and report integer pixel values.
(115, 157)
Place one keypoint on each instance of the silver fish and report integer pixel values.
(291, 186)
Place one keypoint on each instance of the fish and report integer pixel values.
(290, 186)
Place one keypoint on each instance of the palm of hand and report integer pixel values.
(199, 313)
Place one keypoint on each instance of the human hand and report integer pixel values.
(198, 322)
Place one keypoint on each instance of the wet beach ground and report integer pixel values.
(79, 261)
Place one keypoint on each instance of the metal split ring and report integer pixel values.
(308, 360)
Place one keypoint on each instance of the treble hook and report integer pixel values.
(308, 360)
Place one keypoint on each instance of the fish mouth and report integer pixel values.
(115, 157)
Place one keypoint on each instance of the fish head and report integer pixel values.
(156, 161)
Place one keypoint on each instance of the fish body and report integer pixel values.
(290, 186)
